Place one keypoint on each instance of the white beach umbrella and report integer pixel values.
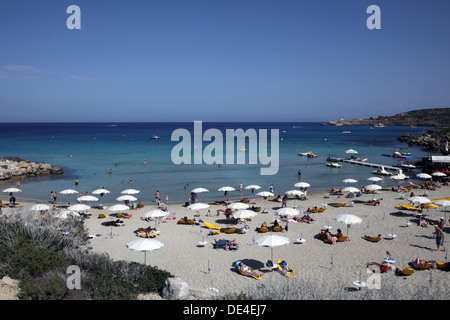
(68, 191)
(348, 219)
(438, 174)
(302, 185)
(126, 197)
(39, 207)
(350, 181)
(443, 203)
(227, 188)
(199, 190)
(350, 189)
(66, 214)
(118, 207)
(252, 187)
(351, 151)
(12, 190)
(374, 179)
(244, 214)
(424, 176)
(79, 207)
(265, 194)
(87, 198)
(100, 191)
(272, 241)
(373, 187)
(198, 206)
(157, 213)
(237, 206)
(287, 212)
(294, 193)
(419, 199)
(130, 191)
(144, 245)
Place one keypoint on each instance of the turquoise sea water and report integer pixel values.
(123, 147)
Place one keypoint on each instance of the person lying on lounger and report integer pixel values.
(373, 238)
(248, 270)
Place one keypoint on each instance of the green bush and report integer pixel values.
(33, 261)
(44, 288)
(37, 253)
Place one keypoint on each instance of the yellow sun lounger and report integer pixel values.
(377, 239)
(211, 226)
(285, 269)
(402, 271)
(423, 266)
(443, 265)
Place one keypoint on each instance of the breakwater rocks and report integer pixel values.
(12, 168)
(431, 141)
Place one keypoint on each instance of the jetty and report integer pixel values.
(364, 163)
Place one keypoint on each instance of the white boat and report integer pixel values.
(382, 172)
(399, 175)
(346, 131)
(155, 137)
(334, 165)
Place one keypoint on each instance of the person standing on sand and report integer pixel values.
(439, 238)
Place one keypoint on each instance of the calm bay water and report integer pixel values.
(95, 148)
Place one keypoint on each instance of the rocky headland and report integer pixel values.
(433, 140)
(17, 168)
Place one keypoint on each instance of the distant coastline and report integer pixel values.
(434, 140)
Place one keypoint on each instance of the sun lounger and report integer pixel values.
(223, 244)
(262, 230)
(285, 269)
(422, 266)
(188, 221)
(247, 273)
(211, 226)
(377, 239)
(277, 229)
(443, 265)
(317, 210)
(402, 271)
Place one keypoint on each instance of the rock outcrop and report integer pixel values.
(14, 168)
(431, 141)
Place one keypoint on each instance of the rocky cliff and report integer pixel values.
(11, 168)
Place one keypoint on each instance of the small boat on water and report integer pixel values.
(400, 155)
(312, 155)
(155, 137)
(406, 166)
(382, 172)
(304, 153)
(334, 165)
(346, 132)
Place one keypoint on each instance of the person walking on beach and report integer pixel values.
(439, 238)
(271, 188)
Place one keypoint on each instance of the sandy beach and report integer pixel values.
(204, 267)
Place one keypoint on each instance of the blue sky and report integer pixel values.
(221, 60)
